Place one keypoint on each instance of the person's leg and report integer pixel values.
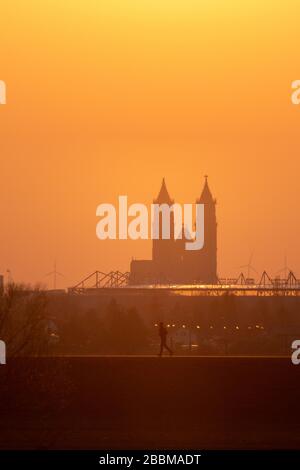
(161, 348)
(167, 347)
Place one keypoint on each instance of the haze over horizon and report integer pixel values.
(105, 99)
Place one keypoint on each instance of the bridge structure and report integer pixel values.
(99, 282)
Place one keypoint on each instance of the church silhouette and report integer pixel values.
(171, 263)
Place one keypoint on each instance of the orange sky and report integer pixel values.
(106, 98)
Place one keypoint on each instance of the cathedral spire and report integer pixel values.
(163, 196)
(206, 196)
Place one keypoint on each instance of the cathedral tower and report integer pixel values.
(171, 263)
(163, 251)
(206, 270)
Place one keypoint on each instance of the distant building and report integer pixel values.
(171, 263)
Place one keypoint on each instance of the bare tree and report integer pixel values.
(23, 321)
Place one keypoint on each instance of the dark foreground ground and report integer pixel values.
(150, 403)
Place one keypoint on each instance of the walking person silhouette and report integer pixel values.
(162, 331)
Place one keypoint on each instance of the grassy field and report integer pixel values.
(150, 403)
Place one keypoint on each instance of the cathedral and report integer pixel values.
(171, 263)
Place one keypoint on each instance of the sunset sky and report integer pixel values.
(107, 97)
